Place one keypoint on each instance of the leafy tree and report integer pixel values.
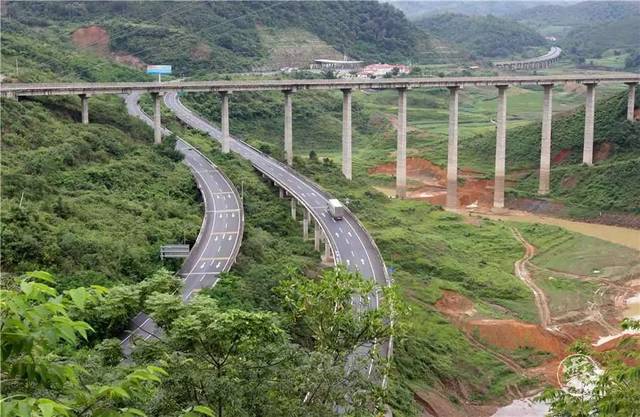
(41, 373)
(617, 390)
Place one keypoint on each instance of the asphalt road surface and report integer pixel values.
(350, 242)
(220, 235)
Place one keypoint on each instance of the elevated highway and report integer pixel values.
(220, 236)
(348, 240)
(16, 90)
(542, 61)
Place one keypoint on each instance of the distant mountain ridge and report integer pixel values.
(224, 36)
(486, 36)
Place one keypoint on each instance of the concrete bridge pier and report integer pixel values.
(589, 110)
(280, 192)
(293, 208)
(346, 133)
(288, 127)
(224, 122)
(501, 144)
(452, 153)
(327, 258)
(545, 150)
(401, 151)
(84, 100)
(631, 101)
(317, 232)
(305, 225)
(157, 126)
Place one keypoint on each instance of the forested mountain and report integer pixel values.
(578, 14)
(591, 41)
(223, 36)
(486, 36)
(417, 9)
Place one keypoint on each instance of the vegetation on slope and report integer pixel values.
(486, 36)
(593, 40)
(611, 185)
(94, 202)
(223, 36)
(578, 14)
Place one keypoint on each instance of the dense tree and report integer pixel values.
(487, 36)
(242, 363)
(46, 371)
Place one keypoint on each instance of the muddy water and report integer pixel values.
(615, 234)
(633, 307)
(525, 407)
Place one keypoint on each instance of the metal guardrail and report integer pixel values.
(174, 251)
(236, 248)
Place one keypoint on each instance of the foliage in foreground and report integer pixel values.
(213, 361)
(616, 392)
(43, 375)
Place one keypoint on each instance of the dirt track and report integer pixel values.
(522, 273)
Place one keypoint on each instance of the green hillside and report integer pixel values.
(486, 36)
(224, 36)
(611, 185)
(73, 196)
(593, 40)
(578, 14)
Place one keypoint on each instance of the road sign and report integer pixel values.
(158, 69)
(174, 251)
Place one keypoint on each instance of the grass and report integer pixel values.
(570, 252)
(565, 294)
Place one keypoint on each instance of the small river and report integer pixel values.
(526, 407)
(616, 234)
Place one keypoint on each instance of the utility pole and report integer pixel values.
(16, 66)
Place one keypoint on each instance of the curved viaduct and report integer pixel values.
(542, 61)
(220, 235)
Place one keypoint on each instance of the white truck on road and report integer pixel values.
(336, 209)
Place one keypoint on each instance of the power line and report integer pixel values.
(228, 21)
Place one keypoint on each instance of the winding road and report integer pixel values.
(220, 236)
(351, 244)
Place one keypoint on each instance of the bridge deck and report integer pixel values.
(13, 90)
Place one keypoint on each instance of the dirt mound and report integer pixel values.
(561, 156)
(201, 52)
(455, 305)
(417, 168)
(129, 60)
(513, 334)
(94, 38)
(602, 151)
(569, 182)
(435, 404)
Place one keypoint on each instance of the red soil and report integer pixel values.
(433, 181)
(455, 305)
(561, 156)
(512, 334)
(602, 151)
(94, 38)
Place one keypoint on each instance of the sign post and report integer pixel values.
(159, 69)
